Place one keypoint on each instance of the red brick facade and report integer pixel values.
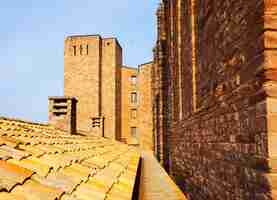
(215, 97)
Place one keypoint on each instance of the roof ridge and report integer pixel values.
(23, 121)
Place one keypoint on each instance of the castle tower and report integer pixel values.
(90, 67)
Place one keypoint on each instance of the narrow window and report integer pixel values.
(74, 50)
(133, 113)
(134, 132)
(81, 49)
(134, 97)
(134, 80)
(87, 49)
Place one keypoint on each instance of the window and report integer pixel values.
(134, 132)
(87, 49)
(133, 113)
(74, 50)
(81, 49)
(134, 80)
(134, 98)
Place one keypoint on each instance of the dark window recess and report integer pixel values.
(60, 107)
(58, 114)
(81, 50)
(74, 50)
(134, 97)
(59, 101)
(87, 49)
(108, 44)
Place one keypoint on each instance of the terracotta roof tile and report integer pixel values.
(9, 141)
(13, 153)
(34, 190)
(40, 162)
(34, 164)
(9, 196)
(11, 175)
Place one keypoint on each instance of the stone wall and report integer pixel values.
(110, 86)
(82, 68)
(92, 74)
(62, 113)
(129, 117)
(220, 56)
(145, 112)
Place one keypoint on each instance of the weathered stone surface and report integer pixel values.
(92, 74)
(216, 61)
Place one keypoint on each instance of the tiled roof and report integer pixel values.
(40, 162)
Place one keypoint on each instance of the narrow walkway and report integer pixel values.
(155, 184)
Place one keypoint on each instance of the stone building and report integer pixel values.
(114, 100)
(75, 155)
(129, 114)
(92, 69)
(214, 97)
(145, 109)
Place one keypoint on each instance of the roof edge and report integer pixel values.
(89, 35)
(128, 67)
(23, 121)
(146, 63)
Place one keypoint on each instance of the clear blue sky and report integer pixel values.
(31, 44)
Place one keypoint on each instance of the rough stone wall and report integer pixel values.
(62, 113)
(92, 74)
(161, 89)
(111, 64)
(223, 145)
(145, 111)
(82, 76)
(127, 121)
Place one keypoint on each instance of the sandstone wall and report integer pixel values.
(82, 67)
(221, 56)
(110, 90)
(145, 111)
(127, 120)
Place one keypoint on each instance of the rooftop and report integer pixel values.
(38, 161)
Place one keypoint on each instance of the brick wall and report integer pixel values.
(128, 119)
(145, 112)
(220, 56)
(62, 113)
(92, 74)
(110, 98)
(82, 66)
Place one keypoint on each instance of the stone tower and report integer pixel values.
(92, 74)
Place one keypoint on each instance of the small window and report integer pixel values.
(133, 113)
(134, 97)
(74, 50)
(87, 49)
(134, 132)
(134, 80)
(81, 50)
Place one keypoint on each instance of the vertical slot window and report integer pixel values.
(74, 50)
(81, 50)
(134, 97)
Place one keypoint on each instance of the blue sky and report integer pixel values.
(31, 44)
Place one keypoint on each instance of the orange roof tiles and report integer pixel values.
(40, 162)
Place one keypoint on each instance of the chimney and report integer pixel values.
(62, 113)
